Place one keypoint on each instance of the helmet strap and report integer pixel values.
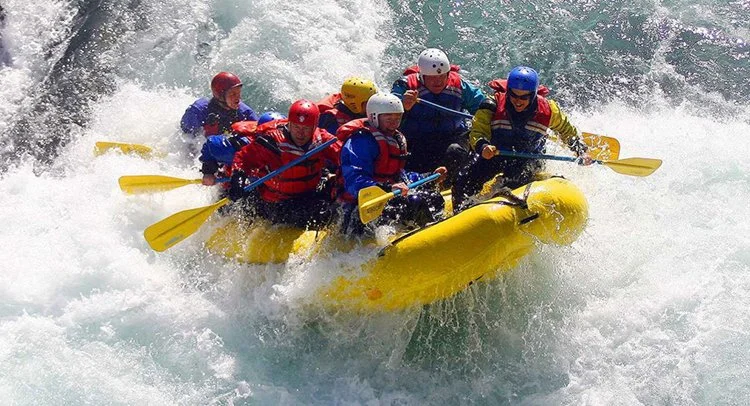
(221, 102)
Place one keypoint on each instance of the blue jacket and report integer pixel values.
(423, 122)
(357, 164)
(209, 115)
(220, 150)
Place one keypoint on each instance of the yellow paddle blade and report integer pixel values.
(634, 166)
(372, 201)
(102, 147)
(175, 228)
(152, 183)
(601, 147)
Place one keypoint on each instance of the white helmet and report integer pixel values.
(433, 61)
(382, 103)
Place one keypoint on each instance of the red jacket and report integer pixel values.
(274, 148)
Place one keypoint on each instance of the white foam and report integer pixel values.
(648, 302)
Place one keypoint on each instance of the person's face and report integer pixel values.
(301, 134)
(233, 97)
(389, 122)
(520, 99)
(435, 83)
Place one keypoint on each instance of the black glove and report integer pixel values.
(578, 146)
(327, 185)
(209, 167)
(237, 185)
(388, 187)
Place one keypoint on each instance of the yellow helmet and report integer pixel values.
(355, 92)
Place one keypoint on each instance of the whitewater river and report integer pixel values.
(649, 306)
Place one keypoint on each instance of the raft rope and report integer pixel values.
(505, 192)
(511, 199)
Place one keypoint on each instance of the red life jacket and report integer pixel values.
(335, 106)
(392, 151)
(534, 136)
(415, 69)
(298, 180)
(250, 129)
(328, 102)
(245, 128)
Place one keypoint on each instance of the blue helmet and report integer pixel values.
(270, 116)
(523, 78)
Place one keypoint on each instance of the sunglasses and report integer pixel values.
(520, 96)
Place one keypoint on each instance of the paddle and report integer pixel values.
(135, 184)
(600, 146)
(102, 147)
(628, 166)
(175, 228)
(372, 200)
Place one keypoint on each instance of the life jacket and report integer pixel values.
(423, 122)
(245, 128)
(328, 102)
(246, 131)
(335, 107)
(392, 151)
(222, 119)
(532, 137)
(298, 180)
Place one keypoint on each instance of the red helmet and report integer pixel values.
(304, 112)
(222, 82)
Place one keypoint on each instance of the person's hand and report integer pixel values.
(410, 99)
(402, 187)
(209, 179)
(442, 171)
(585, 159)
(237, 185)
(489, 151)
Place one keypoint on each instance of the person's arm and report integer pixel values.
(399, 86)
(247, 113)
(358, 163)
(567, 131)
(332, 154)
(194, 117)
(210, 164)
(328, 122)
(472, 97)
(481, 130)
(408, 97)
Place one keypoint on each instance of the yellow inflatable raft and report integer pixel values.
(435, 262)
